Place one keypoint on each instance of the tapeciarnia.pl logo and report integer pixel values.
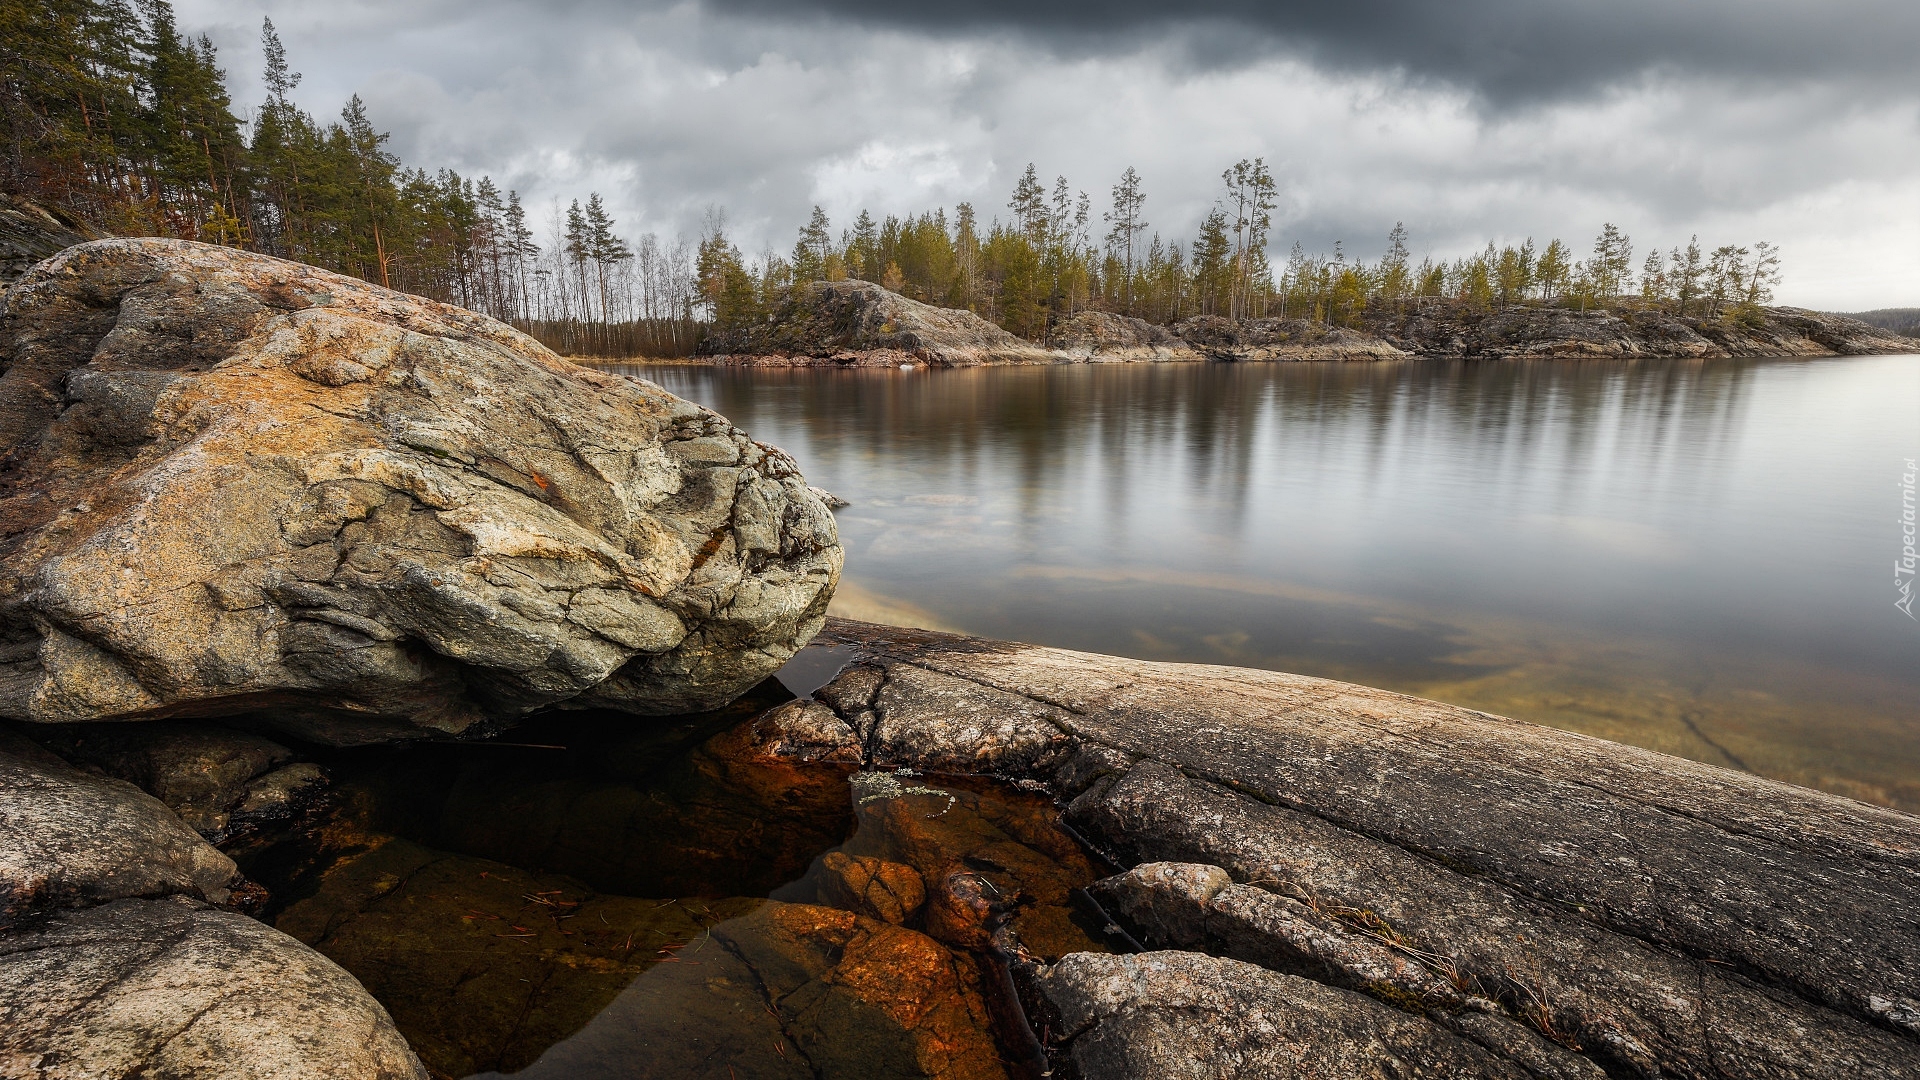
(1903, 566)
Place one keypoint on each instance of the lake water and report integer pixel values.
(1693, 556)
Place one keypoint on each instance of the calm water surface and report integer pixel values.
(1691, 556)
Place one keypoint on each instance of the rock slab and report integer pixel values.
(1188, 1016)
(1654, 916)
(235, 484)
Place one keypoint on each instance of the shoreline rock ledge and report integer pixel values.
(234, 484)
(1335, 881)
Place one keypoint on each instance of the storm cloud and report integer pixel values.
(1508, 50)
(1470, 121)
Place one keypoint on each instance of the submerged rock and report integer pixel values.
(599, 911)
(793, 991)
(1613, 908)
(860, 324)
(171, 989)
(888, 891)
(241, 484)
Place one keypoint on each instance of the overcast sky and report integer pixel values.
(1739, 120)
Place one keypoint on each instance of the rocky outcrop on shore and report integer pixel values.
(860, 324)
(238, 484)
(1386, 883)
(1447, 329)
(1100, 337)
(1218, 338)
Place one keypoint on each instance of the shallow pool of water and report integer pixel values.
(1694, 556)
(601, 897)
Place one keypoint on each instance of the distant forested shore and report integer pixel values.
(117, 118)
(1903, 321)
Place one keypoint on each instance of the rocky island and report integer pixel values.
(257, 519)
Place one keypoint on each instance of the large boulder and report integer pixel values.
(68, 838)
(171, 989)
(241, 484)
(858, 323)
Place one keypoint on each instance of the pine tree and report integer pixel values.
(1124, 226)
(1555, 270)
(1762, 275)
(1610, 270)
(811, 251)
(863, 254)
(1029, 206)
(1250, 200)
(1688, 274)
(1212, 262)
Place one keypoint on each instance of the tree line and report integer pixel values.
(114, 114)
(1048, 259)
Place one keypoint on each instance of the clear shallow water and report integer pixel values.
(1691, 556)
(594, 899)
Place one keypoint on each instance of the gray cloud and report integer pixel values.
(667, 108)
(1509, 50)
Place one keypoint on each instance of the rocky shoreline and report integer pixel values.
(857, 324)
(1386, 879)
(1314, 879)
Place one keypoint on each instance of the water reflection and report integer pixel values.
(1687, 555)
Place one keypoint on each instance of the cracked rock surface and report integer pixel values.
(1189, 1016)
(1540, 902)
(171, 989)
(237, 484)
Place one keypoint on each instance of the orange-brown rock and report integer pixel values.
(889, 891)
(793, 991)
(235, 483)
(854, 964)
(987, 855)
